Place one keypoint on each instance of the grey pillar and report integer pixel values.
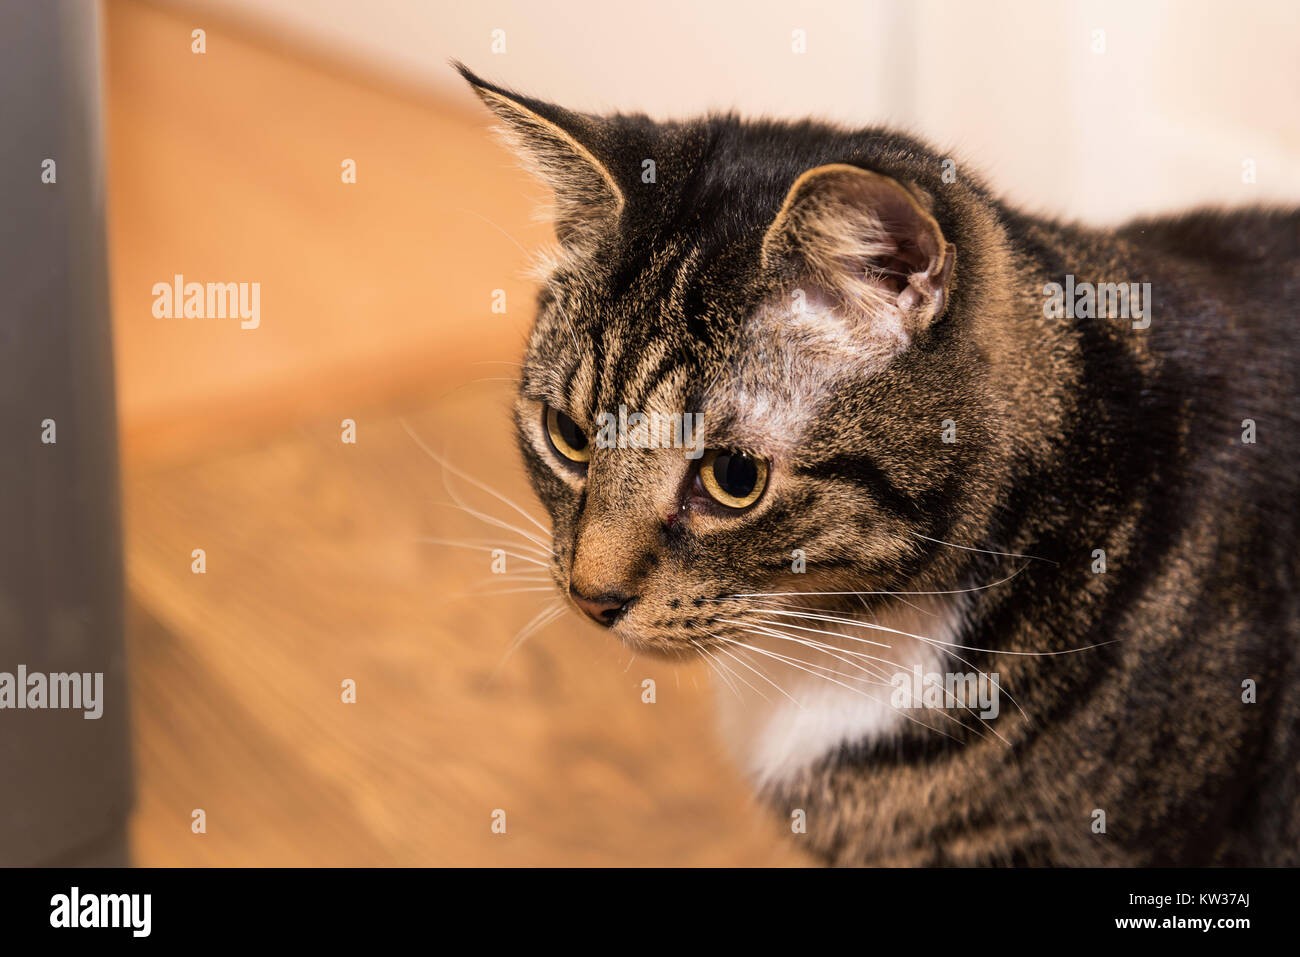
(64, 780)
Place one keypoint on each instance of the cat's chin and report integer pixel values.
(665, 649)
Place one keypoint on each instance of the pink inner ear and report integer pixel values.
(902, 256)
(864, 238)
(891, 271)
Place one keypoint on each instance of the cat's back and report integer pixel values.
(1234, 237)
(1224, 329)
(1224, 286)
(1251, 254)
(1217, 357)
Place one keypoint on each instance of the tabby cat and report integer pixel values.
(933, 443)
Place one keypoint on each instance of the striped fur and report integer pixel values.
(1071, 436)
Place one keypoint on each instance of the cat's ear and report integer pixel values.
(865, 239)
(560, 146)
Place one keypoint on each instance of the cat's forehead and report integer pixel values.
(689, 335)
(619, 323)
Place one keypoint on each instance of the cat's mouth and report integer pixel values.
(670, 628)
(668, 621)
(648, 634)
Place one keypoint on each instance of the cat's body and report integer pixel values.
(933, 443)
(1199, 534)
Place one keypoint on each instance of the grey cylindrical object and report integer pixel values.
(64, 780)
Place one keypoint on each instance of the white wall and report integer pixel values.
(1184, 92)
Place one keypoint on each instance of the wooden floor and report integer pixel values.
(375, 309)
(315, 574)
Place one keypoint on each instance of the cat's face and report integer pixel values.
(772, 333)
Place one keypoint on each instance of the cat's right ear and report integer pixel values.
(561, 147)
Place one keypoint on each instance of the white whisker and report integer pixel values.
(874, 679)
(953, 701)
(716, 668)
(954, 591)
(762, 674)
(738, 676)
(800, 665)
(548, 614)
(950, 644)
(833, 634)
(985, 551)
(906, 634)
(813, 643)
(447, 466)
(501, 579)
(489, 519)
(459, 505)
(484, 548)
(507, 591)
(830, 649)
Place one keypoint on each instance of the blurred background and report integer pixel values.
(230, 163)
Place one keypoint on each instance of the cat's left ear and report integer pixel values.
(562, 148)
(864, 238)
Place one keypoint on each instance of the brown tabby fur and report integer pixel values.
(1072, 435)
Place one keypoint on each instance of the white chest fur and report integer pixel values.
(779, 716)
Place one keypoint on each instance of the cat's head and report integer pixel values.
(784, 305)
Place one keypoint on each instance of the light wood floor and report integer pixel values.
(315, 575)
(374, 308)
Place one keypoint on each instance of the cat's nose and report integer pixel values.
(605, 610)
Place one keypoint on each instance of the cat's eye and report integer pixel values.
(734, 479)
(566, 438)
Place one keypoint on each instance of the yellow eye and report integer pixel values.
(734, 479)
(566, 438)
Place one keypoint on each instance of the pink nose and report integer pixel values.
(604, 610)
